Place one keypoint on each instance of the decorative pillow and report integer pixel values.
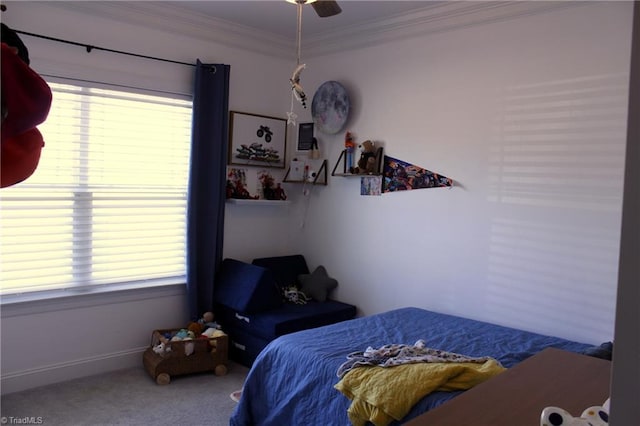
(246, 288)
(285, 269)
(317, 284)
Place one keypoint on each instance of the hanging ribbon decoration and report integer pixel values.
(296, 88)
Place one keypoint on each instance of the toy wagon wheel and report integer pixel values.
(220, 370)
(163, 379)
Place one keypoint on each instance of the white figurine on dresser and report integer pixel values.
(597, 415)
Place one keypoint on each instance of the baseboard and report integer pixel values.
(54, 373)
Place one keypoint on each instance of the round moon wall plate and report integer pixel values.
(330, 107)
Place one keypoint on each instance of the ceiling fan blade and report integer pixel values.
(326, 8)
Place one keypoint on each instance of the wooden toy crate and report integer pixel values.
(208, 355)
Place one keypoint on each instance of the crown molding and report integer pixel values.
(439, 17)
(434, 18)
(176, 20)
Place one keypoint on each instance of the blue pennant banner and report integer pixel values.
(402, 176)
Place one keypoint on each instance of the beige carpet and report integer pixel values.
(128, 397)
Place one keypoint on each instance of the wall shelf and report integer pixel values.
(317, 180)
(345, 173)
(257, 202)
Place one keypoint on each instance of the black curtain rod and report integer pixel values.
(89, 48)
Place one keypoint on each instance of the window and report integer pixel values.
(107, 204)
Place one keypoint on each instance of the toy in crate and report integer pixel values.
(200, 347)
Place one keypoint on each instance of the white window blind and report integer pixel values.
(107, 204)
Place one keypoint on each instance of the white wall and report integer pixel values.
(61, 340)
(528, 117)
(505, 245)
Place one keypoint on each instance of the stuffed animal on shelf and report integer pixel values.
(367, 161)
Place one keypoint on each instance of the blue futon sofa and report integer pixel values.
(251, 309)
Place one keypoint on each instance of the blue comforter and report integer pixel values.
(291, 382)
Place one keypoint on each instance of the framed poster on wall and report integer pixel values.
(305, 136)
(257, 140)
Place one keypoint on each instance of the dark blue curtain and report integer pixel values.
(207, 178)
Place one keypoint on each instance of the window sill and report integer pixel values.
(62, 300)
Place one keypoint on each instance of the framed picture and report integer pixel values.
(305, 136)
(257, 140)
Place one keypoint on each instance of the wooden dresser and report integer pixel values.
(517, 397)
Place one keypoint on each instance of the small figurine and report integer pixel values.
(268, 191)
(597, 415)
(350, 146)
(296, 87)
(241, 192)
(279, 193)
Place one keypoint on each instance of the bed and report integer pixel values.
(292, 380)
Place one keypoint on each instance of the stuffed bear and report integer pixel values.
(367, 161)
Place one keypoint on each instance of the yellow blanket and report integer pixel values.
(380, 395)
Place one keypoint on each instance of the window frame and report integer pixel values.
(24, 302)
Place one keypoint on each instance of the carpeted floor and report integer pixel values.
(128, 397)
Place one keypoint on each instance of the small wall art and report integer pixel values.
(296, 170)
(330, 107)
(305, 136)
(257, 140)
(371, 185)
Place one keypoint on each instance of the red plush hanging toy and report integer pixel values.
(26, 99)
